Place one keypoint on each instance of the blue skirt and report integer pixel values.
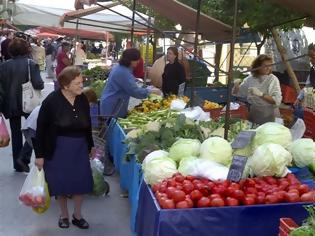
(68, 172)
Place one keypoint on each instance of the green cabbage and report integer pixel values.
(303, 152)
(186, 165)
(159, 169)
(154, 155)
(184, 148)
(216, 149)
(270, 160)
(272, 132)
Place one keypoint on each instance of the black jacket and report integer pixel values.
(57, 117)
(173, 76)
(13, 73)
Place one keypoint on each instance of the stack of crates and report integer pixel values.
(309, 117)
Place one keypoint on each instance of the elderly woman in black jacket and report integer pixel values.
(13, 73)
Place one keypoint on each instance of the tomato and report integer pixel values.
(308, 197)
(292, 179)
(248, 201)
(190, 178)
(217, 202)
(271, 180)
(293, 190)
(179, 178)
(283, 183)
(179, 195)
(250, 183)
(280, 195)
(303, 188)
(230, 201)
(196, 181)
(203, 202)
(271, 199)
(258, 187)
(238, 194)
(156, 187)
(171, 183)
(182, 204)
(210, 185)
(230, 190)
(292, 197)
(195, 195)
(163, 188)
(188, 187)
(219, 189)
(251, 190)
(234, 185)
(252, 195)
(168, 204)
(189, 201)
(170, 192)
(205, 181)
(205, 190)
(215, 195)
(260, 199)
(198, 186)
(176, 174)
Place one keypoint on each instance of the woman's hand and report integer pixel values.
(92, 152)
(39, 162)
(155, 91)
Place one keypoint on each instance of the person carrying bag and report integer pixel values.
(13, 74)
(31, 97)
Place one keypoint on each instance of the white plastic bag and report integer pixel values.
(33, 190)
(178, 105)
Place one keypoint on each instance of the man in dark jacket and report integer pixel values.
(13, 73)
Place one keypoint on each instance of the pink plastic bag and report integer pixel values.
(4, 134)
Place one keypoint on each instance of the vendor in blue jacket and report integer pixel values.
(121, 85)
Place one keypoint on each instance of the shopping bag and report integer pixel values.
(31, 98)
(100, 186)
(4, 134)
(33, 192)
(43, 209)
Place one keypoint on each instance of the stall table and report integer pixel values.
(258, 220)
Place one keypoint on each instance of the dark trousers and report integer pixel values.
(20, 151)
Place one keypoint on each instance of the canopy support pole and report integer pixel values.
(192, 97)
(133, 22)
(230, 77)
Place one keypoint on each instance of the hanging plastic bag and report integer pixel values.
(99, 186)
(4, 134)
(43, 209)
(33, 193)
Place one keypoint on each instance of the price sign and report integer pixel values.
(243, 139)
(181, 89)
(237, 168)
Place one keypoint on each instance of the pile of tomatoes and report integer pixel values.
(189, 191)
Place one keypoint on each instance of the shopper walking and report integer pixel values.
(50, 58)
(63, 143)
(13, 73)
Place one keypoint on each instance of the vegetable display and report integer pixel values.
(303, 152)
(216, 149)
(179, 192)
(270, 160)
(272, 132)
(308, 227)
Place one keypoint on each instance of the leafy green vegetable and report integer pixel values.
(303, 152)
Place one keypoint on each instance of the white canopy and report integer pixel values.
(48, 13)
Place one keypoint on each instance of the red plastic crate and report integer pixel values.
(286, 226)
(289, 95)
(241, 112)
